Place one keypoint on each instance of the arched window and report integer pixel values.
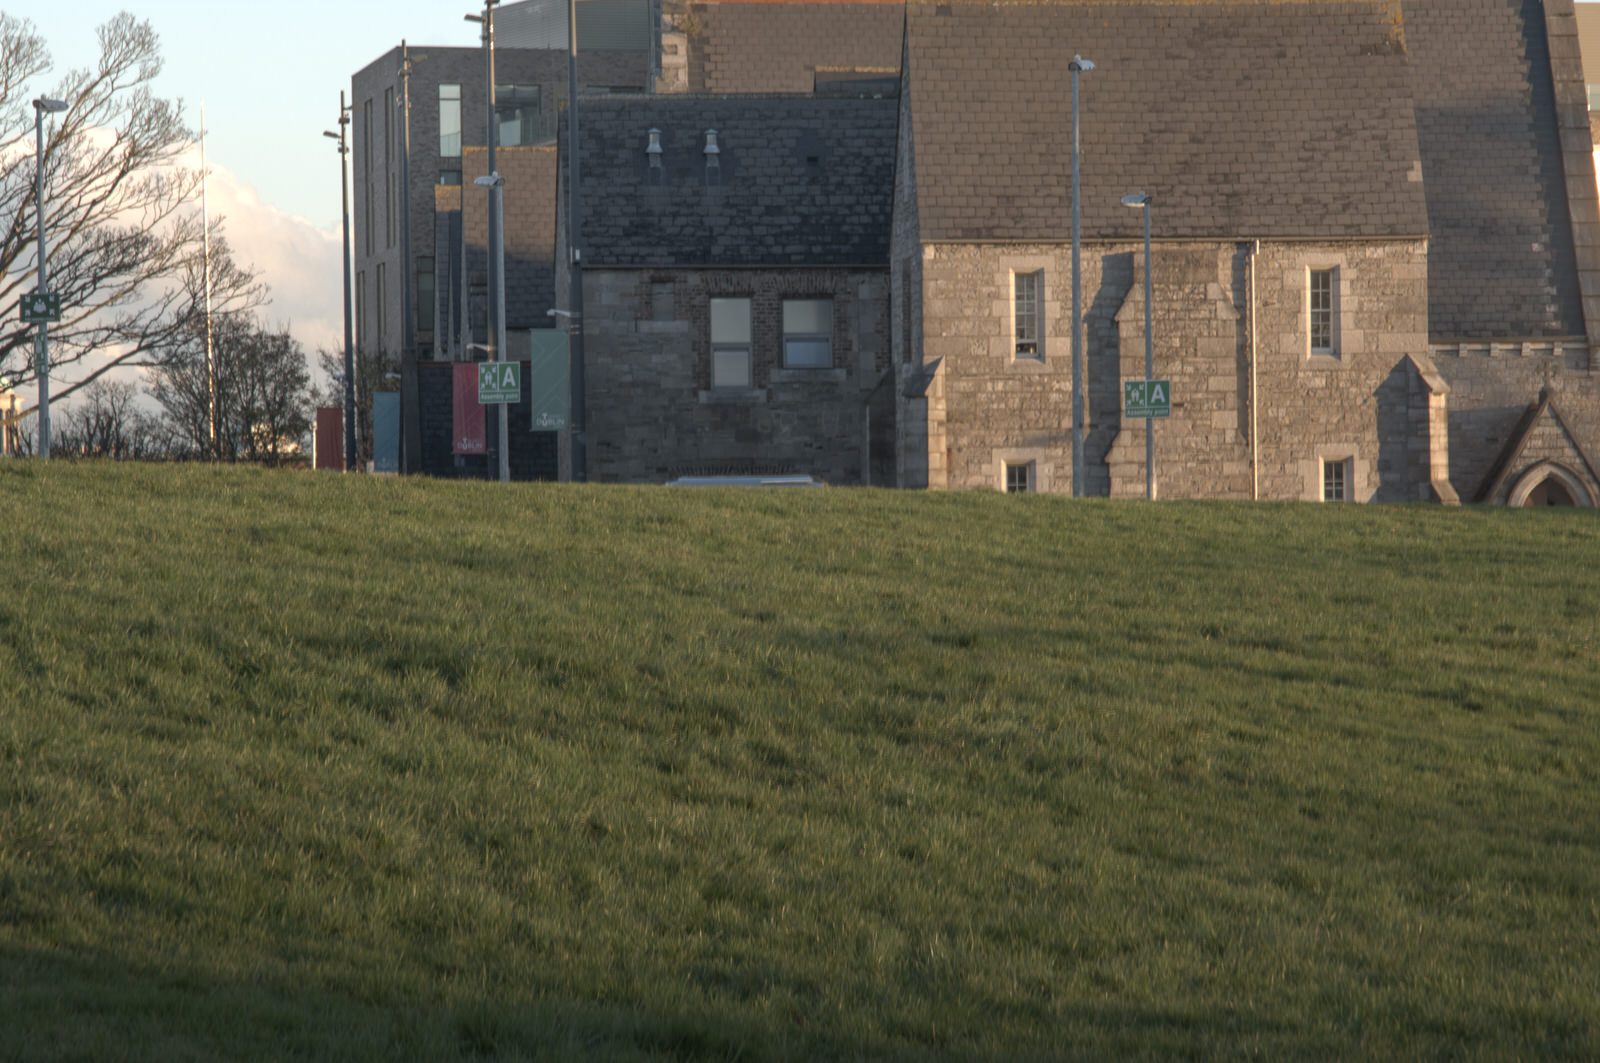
(1549, 484)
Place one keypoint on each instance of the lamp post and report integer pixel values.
(349, 338)
(579, 418)
(497, 251)
(496, 186)
(1141, 200)
(42, 106)
(1078, 65)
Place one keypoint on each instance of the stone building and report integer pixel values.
(735, 283)
(1371, 275)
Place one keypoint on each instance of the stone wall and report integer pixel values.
(1493, 389)
(999, 408)
(652, 413)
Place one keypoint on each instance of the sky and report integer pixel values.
(269, 74)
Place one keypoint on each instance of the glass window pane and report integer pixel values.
(730, 321)
(808, 316)
(807, 353)
(449, 121)
(730, 367)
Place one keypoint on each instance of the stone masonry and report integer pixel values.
(652, 413)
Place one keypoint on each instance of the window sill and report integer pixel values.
(1325, 361)
(807, 376)
(1028, 363)
(733, 396)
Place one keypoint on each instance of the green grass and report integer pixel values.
(298, 765)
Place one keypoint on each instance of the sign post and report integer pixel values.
(40, 307)
(1148, 399)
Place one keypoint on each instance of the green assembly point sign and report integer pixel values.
(40, 306)
(499, 382)
(1147, 398)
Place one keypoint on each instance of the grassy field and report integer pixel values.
(298, 765)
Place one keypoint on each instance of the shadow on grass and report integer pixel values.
(94, 1006)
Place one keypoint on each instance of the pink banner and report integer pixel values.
(467, 425)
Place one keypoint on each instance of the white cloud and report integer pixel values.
(299, 262)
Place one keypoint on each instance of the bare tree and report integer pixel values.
(124, 234)
(263, 393)
(374, 372)
(106, 422)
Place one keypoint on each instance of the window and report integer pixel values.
(1028, 293)
(1322, 289)
(388, 127)
(449, 121)
(450, 177)
(425, 294)
(730, 343)
(808, 333)
(371, 197)
(1019, 477)
(661, 300)
(1594, 97)
(519, 115)
(1336, 480)
(392, 188)
(382, 299)
(361, 310)
(366, 138)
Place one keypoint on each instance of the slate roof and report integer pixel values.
(804, 181)
(1241, 119)
(778, 47)
(1500, 258)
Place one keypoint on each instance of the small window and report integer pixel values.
(519, 115)
(661, 301)
(730, 343)
(1336, 480)
(425, 295)
(450, 177)
(1028, 289)
(449, 121)
(1019, 477)
(383, 295)
(1594, 97)
(808, 333)
(1322, 316)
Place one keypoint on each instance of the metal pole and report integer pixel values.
(1149, 366)
(580, 426)
(411, 431)
(349, 324)
(205, 273)
(43, 340)
(1078, 64)
(497, 254)
(496, 194)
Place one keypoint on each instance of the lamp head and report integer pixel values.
(1080, 63)
(331, 136)
(46, 105)
(489, 181)
(1136, 199)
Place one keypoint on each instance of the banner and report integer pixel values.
(466, 434)
(327, 442)
(551, 386)
(386, 431)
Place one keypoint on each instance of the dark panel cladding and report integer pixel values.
(533, 454)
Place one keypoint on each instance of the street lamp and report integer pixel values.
(1141, 201)
(1078, 65)
(42, 106)
(349, 344)
(497, 247)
